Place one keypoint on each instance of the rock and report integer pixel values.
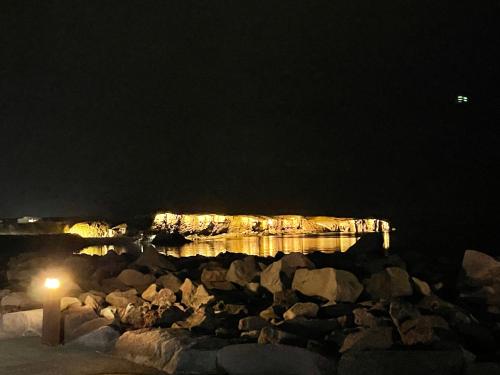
(150, 293)
(364, 318)
(112, 284)
(390, 283)
(154, 261)
(482, 368)
(86, 328)
(480, 268)
(170, 350)
(285, 298)
(76, 316)
(102, 339)
(133, 316)
(421, 329)
(165, 317)
(69, 301)
(268, 314)
(202, 319)
(19, 300)
(253, 287)
(23, 323)
(311, 328)
(251, 323)
(335, 310)
(164, 298)
(274, 335)
(327, 283)
(251, 359)
(242, 271)
(169, 281)
(422, 287)
(368, 339)
(94, 302)
(301, 309)
(4, 292)
(135, 279)
(276, 277)
(194, 296)
(99, 297)
(122, 299)
(401, 311)
(408, 362)
(215, 278)
(110, 313)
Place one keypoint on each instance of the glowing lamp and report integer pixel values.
(51, 324)
(52, 283)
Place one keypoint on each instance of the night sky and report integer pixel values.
(323, 107)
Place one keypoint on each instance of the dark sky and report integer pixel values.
(322, 107)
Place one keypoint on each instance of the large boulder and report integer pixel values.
(390, 283)
(327, 283)
(480, 268)
(23, 323)
(122, 299)
(19, 300)
(215, 278)
(277, 276)
(136, 279)
(243, 271)
(154, 261)
(267, 359)
(368, 339)
(408, 362)
(169, 281)
(102, 339)
(86, 328)
(301, 309)
(170, 350)
(194, 296)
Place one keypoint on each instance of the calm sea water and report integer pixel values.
(252, 245)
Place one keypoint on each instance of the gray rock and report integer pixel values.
(365, 339)
(408, 362)
(390, 283)
(301, 309)
(170, 350)
(482, 368)
(215, 278)
(102, 339)
(150, 293)
(154, 261)
(328, 283)
(252, 359)
(251, 323)
(169, 281)
(19, 300)
(136, 279)
(480, 267)
(274, 335)
(69, 301)
(194, 296)
(86, 328)
(275, 277)
(242, 271)
(164, 298)
(122, 299)
(23, 323)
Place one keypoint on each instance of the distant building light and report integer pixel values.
(462, 99)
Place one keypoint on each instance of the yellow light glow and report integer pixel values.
(51, 283)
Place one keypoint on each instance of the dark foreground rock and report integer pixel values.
(410, 362)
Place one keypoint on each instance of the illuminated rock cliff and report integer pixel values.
(215, 224)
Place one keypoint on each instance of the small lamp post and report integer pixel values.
(51, 326)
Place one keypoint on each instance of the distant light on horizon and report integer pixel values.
(461, 99)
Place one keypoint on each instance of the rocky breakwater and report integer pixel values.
(359, 312)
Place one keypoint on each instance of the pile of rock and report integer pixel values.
(237, 314)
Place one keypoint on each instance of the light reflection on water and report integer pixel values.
(252, 245)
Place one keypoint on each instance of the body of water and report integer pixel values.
(251, 245)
